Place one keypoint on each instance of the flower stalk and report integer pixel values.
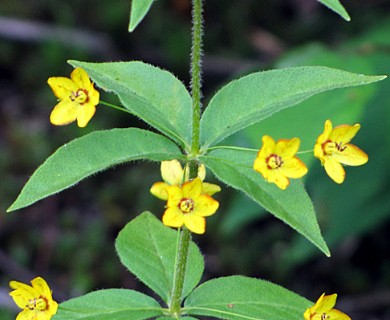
(196, 94)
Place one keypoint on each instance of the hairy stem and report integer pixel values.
(196, 83)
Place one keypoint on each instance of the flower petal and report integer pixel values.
(173, 217)
(287, 148)
(326, 303)
(293, 168)
(267, 148)
(22, 293)
(64, 113)
(351, 156)
(80, 77)
(195, 223)
(260, 166)
(344, 133)
(210, 188)
(41, 286)
(192, 189)
(93, 95)
(62, 87)
(175, 195)
(281, 180)
(84, 114)
(337, 315)
(205, 206)
(172, 172)
(159, 190)
(334, 170)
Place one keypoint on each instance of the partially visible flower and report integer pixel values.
(78, 98)
(277, 162)
(323, 310)
(174, 175)
(333, 149)
(36, 300)
(187, 205)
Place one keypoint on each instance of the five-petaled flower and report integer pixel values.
(323, 309)
(333, 149)
(173, 174)
(187, 205)
(36, 300)
(277, 161)
(78, 98)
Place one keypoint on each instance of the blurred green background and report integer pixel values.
(68, 238)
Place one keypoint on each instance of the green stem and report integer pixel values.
(196, 72)
(196, 93)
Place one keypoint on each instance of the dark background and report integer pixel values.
(68, 238)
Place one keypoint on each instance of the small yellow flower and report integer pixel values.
(333, 149)
(187, 205)
(277, 161)
(174, 175)
(78, 98)
(36, 300)
(323, 310)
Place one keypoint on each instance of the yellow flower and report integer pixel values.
(78, 98)
(188, 206)
(36, 300)
(173, 174)
(333, 149)
(277, 161)
(323, 310)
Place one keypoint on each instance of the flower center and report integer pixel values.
(37, 303)
(186, 205)
(80, 96)
(330, 147)
(324, 316)
(274, 161)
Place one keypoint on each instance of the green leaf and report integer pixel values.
(148, 249)
(118, 304)
(139, 9)
(337, 7)
(252, 98)
(90, 154)
(293, 205)
(170, 318)
(238, 297)
(153, 94)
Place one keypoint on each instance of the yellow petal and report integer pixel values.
(175, 195)
(27, 314)
(62, 87)
(210, 188)
(80, 78)
(22, 293)
(64, 113)
(334, 170)
(173, 217)
(293, 168)
(279, 179)
(260, 166)
(351, 156)
(172, 172)
(344, 133)
(201, 172)
(205, 206)
(267, 147)
(41, 286)
(287, 148)
(326, 303)
(192, 189)
(84, 114)
(159, 190)
(93, 95)
(195, 223)
(319, 152)
(337, 315)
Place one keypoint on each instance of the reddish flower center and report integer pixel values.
(186, 205)
(80, 96)
(274, 161)
(329, 147)
(38, 303)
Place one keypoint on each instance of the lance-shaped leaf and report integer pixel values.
(257, 96)
(118, 304)
(337, 7)
(148, 249)
(153, 94)
(238, 297)
(90, 154)
(139, 9)
(293, 205)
